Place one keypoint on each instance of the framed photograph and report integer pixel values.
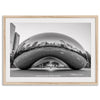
(50, 50)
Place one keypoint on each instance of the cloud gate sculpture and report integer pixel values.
(51, 45)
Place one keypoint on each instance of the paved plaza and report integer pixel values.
(45, 72)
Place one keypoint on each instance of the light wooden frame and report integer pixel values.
(50, 83)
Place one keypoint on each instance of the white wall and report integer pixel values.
(48, 7)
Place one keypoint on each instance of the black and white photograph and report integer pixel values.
(50, 49)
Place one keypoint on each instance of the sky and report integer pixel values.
(81, 32)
